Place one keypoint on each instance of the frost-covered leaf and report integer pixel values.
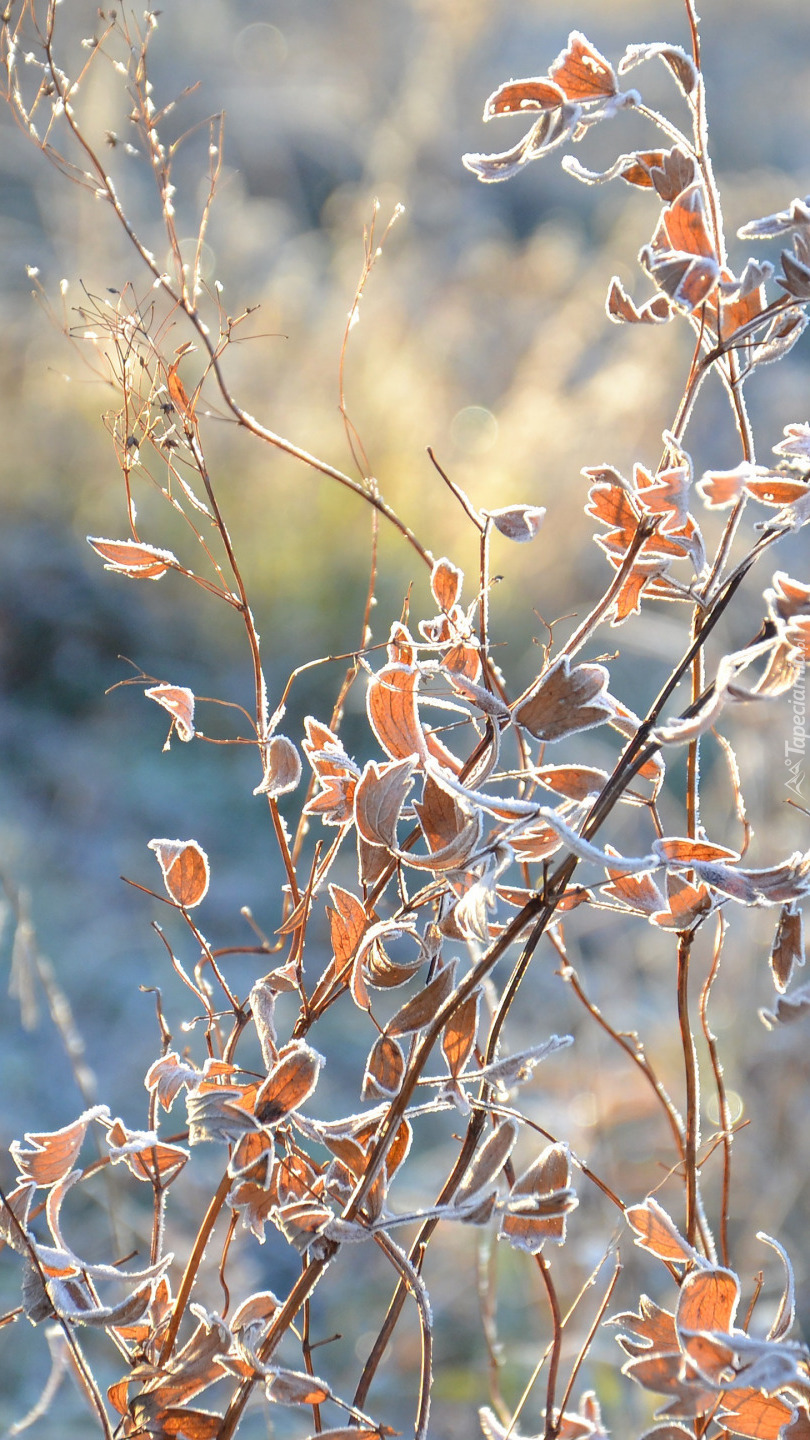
(184, 865)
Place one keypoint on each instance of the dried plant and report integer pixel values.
(439, 865)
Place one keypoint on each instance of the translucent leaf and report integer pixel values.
(385, 1068)
(656, 1232)
(708, 1300)
(130, 557)
(458, 1036)
(419, 1011)
(295, 1387)
(681, 64)
(582, 72)
(179, 701)
(788, 945)
(539, 1201)
(487, 1162)
(51, 1155)
(379, 797)
(446, 581)
(290, 1082)
(185, 870)
(282, 770)
(565, 700)
(518, 522)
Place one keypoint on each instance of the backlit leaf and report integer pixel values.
(179, 701)
(133, 558)
(184, 865)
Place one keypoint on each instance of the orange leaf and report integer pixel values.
(446, 581)
(565, 700)
(521, 96)
(656, 1232)
(128, 557)
(582, 72)
(179, 701)
(53, 1152)
(419, 1011)
(185, 870)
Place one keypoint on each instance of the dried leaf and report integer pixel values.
(385, 1068)
(656, 1232)
(295, 1387)
(553, 128)
(539, 1202)
(582, 73)
(419, 1011)
(487, 1163)
(167, 1076)
(130, 557)
(681, 64)
(379, 798)
(707, 1300)
(144, 1155)
(184, 865)
(622, 309)
(575, 782)
(179, 701)
(565, 700)
(290, 1082)
(446, 581)
(52, 1154)
(518, 522)
(458, 1036)
(282, 768)
(788, 946)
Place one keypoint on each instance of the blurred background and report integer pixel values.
(483, 334)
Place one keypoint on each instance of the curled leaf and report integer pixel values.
(179, 701)
(518, 522)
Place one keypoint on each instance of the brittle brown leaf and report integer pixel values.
(518, 522)
(677, 60)
(487, 1162)
(707, 1300)
(348, 923)
(788, 945)
(458, 1036)
(622, 309)
(575, 782)
(378, 800)
(446, 581)
(155, 1161)
(565, 700)
(290, 1082)
(50, 1155)
(177, 391)
(335, 771)
(650, 1331)
(295, 1387)
(656, 1232)
(133, 558)
(763, 1417)
(553, 128)
(282, 768)
(521, 96)
(419, 1011)
(539, 1202)
(385, 1068)
(167, 1076)
(184, 865)
(582, 72)
(179, 701)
